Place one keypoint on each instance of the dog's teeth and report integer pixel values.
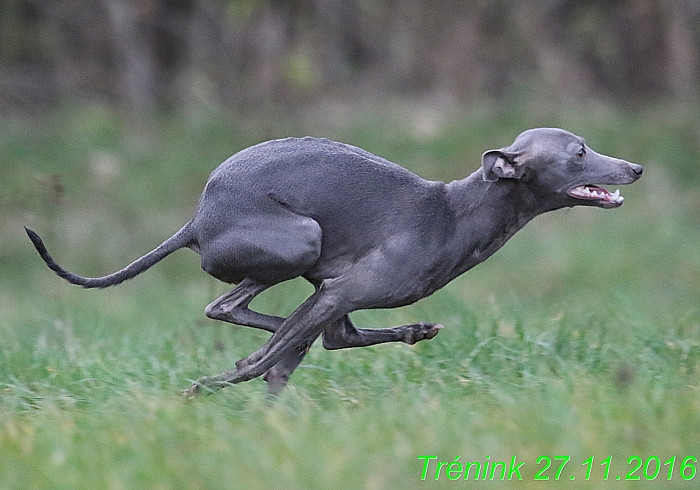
(586, 192)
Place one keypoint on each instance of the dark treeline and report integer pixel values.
(248, 54)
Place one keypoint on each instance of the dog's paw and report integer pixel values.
(433, 331)
(199, 387)
(422, 331)
(192, 392)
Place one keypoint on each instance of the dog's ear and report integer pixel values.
(499, 164)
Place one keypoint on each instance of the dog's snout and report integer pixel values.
(637, 169)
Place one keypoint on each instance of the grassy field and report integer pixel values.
(579, 339)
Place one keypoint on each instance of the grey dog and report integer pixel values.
(365, 232)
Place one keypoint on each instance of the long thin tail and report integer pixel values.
(182, 238)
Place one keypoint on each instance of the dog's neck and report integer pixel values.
(487, 214)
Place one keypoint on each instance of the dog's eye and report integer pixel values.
(581, 152)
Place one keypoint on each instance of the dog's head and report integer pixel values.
(560, 166)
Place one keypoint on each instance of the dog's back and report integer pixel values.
(356, 198)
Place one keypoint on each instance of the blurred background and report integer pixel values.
(263, 55)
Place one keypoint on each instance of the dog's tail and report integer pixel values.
(183, 238)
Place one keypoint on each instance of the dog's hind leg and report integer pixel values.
(232, 307)
(306, 323)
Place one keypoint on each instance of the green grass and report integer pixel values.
(581, 337)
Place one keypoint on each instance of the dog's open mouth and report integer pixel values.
(601, 196)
